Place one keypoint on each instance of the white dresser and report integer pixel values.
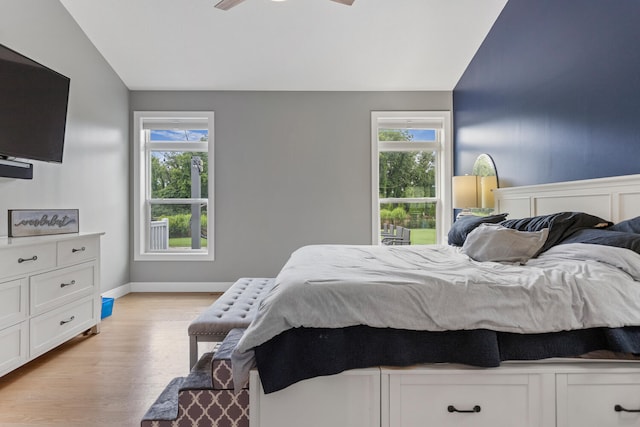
(49, 293)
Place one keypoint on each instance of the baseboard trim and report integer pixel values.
(123, 290)
(180, 286)
(118, 292)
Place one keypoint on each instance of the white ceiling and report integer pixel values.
(375, 45)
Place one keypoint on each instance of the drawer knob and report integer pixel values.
(62, 322)
(619, 408)
(74, 250)
(475, 409)
(33, 258)
(62, 285)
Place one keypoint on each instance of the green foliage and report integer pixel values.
(180, 225)
(171, 179)
(398, 215)
(416, 215)
(171, 175)
(394, 135)
(405, 173)
(385, 215)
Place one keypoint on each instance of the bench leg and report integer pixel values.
(193, 351)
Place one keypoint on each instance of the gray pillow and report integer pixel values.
(493, 242)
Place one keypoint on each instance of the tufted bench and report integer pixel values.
(236, 308)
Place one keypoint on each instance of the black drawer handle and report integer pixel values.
(33, 258)
(74, 250)
(62, 285)
(62, 322)
(475, 409)
(619, 408)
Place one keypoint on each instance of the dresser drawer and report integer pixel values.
(22, 260)
(13, 302)
(54, 327)
(14, 347)
(590, 400)
(463, 400)
(78, 250)
(55, 288)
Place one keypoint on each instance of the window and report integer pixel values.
(411, 169)
(173, 185)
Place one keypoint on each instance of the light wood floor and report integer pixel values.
(109, 379)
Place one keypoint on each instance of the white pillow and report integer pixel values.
(493, 242)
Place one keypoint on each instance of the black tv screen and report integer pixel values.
(33, 108)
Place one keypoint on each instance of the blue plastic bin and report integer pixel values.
(107, 307)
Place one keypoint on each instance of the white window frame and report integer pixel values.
(444, 168)
(142, 187)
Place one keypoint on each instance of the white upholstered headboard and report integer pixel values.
(614, 198)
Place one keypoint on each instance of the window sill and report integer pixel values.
(174, 256)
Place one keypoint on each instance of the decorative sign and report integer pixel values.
(41, 222)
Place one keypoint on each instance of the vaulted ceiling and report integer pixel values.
(315, 45)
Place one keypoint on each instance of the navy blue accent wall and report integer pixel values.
(553, 93)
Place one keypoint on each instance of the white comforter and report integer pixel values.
(437, 288)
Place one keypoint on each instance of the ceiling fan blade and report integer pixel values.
(227, 4)
(347, 2)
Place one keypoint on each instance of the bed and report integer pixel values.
(388, 329)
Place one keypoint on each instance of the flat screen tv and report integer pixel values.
(33, 108)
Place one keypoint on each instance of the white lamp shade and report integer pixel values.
(465, 191)
(487, 185)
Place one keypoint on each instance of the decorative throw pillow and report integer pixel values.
(466, 224)
(493, 242)
(628, 226)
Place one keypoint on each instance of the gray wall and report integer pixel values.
(291, 169)
(95, 170)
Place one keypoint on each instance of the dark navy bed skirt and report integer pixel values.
(303, 353)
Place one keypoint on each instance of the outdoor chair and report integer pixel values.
(402, 237)
(388, 230)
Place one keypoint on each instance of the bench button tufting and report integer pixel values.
(235, 307)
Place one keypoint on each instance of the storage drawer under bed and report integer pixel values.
(473, 400)
(598, 399)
